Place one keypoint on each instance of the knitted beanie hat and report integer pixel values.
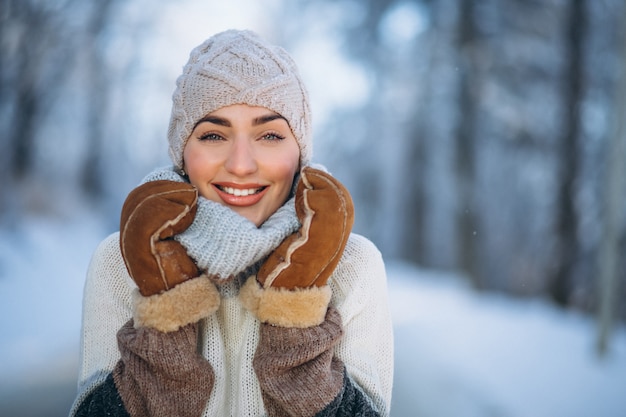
(238, 67)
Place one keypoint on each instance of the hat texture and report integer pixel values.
(238, 67)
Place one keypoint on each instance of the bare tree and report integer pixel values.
(93, 175)
(35, 53)
(466, 214)
(613, 219)
(567, 220)
(35, 71)
(42, 46)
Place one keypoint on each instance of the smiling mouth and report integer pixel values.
(239, 192)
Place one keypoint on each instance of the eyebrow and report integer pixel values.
(267, 118)
(257, 121)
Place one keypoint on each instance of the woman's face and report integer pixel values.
(243, 157)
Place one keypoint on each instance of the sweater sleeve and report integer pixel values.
(162, 373)
(296, 369)
(149, 371)
(300, 376)
(359, 287)
(107, 305)
(159, 374)
(344, 366)
(105, 400)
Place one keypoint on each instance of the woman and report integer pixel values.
(234, 287)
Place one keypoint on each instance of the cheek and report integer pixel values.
(192, 163)
(284, 166)
(196, 162)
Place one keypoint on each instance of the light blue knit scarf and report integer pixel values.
(224, 243)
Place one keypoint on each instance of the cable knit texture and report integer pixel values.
(224, 243)
(238, 67)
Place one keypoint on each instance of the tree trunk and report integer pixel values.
(466, 215)
(567, 219)
(613, 216)
(93, 172)
(28, 98)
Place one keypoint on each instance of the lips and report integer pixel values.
(240, 195)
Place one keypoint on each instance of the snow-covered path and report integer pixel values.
(463, 354)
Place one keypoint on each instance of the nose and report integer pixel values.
(241, 160)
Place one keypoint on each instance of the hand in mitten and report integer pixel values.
(170, 295)
(152, 214)
(290, 288)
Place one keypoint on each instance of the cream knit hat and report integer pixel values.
(238, 67)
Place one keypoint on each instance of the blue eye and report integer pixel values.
(210, 137)
(272, 137)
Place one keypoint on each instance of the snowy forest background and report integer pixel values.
(485, 138)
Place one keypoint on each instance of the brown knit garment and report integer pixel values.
(161, 374)
(298, 374)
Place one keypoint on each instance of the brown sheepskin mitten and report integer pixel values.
(152, 214)
(172, 293)
(290, 289)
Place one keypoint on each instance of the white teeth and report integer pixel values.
(239, 192)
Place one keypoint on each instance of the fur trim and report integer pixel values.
(302, 307)
(184, 304)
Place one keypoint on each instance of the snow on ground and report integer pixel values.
(42, 269)
(463, 354)
(458, 353)
(41, 278)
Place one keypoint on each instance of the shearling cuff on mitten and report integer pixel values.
(301, 307)
(186, 303)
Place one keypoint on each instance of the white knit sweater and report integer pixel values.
(229, 338)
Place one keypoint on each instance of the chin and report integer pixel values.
(257, 219)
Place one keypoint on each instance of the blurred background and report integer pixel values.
(484, 139)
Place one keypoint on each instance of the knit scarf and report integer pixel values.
(224, 243)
